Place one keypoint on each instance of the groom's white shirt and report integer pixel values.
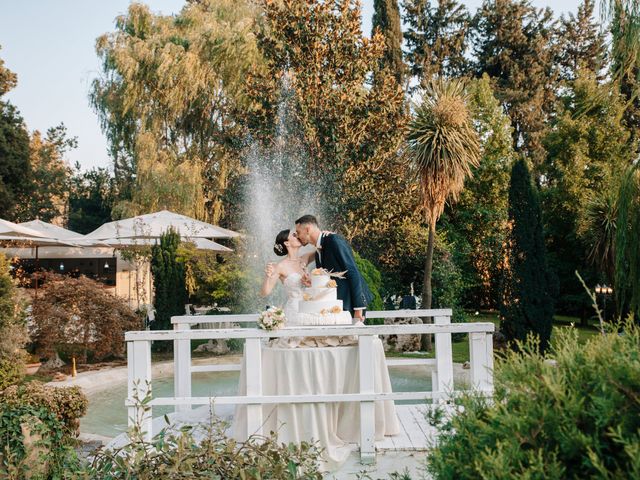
(319, 250)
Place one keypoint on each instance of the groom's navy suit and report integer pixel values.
(335, 255)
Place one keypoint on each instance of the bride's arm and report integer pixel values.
(271, 275)
(307, 258)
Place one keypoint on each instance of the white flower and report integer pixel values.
(271, 319)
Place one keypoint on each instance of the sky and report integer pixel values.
(50, 45)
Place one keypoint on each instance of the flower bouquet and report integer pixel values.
(271, 319)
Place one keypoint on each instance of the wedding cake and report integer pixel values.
(319, 304)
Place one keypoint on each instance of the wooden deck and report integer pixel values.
(416, 433)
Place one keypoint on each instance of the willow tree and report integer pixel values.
(444, 148)
(165, 99)
(627, 253)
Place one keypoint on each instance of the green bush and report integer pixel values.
(68, 404)
(11, 372)
(215, 456)
(577, 417)
(373, 278)
(13, 330)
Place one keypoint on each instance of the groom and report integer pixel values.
(334, 254)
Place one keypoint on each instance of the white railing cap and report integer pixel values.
(320, 331)
(252, 317)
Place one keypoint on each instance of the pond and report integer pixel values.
(107, 414)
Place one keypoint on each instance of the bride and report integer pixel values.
(291, 271)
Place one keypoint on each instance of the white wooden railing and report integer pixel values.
(139, 365)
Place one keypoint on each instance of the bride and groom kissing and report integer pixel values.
(332, 253)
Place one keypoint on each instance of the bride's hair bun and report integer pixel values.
(280, 248)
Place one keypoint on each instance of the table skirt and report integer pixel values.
(309, 371)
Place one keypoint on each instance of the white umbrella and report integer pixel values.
(16, 234)
(153, 225)
(200, 243)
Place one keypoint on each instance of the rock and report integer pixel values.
(59, 377)
(218, 347)
(401, 343)
(53, 363)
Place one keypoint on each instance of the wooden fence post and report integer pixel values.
(253, 359)
(444, 362)
(139, 383)
(481, 354)
(367, 409)
(182, 367)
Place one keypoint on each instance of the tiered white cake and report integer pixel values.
(319, 304)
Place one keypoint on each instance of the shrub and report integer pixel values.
(204, 452)
(13, 330)
(373, 278)
(79, 316)
(214, 456)
(11, 372)
(576, 418)
(68, 404)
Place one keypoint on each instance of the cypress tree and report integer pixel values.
(386, 19)
(437, 38)
(526, 303)
(168, 280)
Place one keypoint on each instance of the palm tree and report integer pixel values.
(444, 147)
(598, 226)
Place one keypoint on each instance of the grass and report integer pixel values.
(460, 348)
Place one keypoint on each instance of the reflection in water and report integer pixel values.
(107, 414)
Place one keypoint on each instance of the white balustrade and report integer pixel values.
(139, 365)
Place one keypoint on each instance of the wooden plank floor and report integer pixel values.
(415, 432)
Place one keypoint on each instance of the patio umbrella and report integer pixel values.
(153, 225)
(12, 234)
(200, 243)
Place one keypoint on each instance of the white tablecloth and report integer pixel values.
(308, 371)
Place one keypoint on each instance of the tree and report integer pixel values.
(166, 99)
(77, 316)
(170, 292)
(583, 44)
(91, 199)
(477, 225)
(437, 38)
(588, 151)
(49, 189)
(386, 19)
(444, 148)
(15, 169)
(526, 303)
(348, 113)
(627, 244)
(625, 33)
(514, 43)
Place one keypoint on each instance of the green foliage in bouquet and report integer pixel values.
(577, 417)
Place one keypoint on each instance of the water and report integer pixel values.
(281, 187)
(107, 414)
